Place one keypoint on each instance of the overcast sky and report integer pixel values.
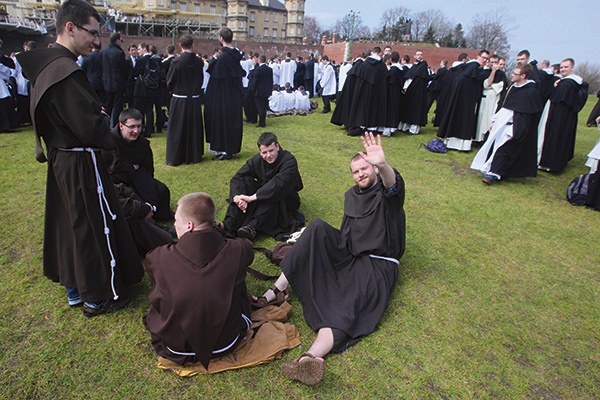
(549, 29)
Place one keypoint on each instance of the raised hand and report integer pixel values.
(373, 153)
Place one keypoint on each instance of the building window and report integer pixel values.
(274, 33)
(161, 3)
(299, 31)
(300, 5)
(266, 16)
(266, 33)
(285, 20)
(213, 10)
(292, 31)
(196, 8)
(173, 6)
(240, 24)
(251, 32)
(182, 7)
(241, 9)
(299, 18)
(232, 10)
(251, 16)
(151, 3)
(293, 17)
(275, 17)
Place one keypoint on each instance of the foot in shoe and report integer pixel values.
(307, 369)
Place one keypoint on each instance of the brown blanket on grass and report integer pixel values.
(267, 338)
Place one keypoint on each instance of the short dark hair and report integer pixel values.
(186, 41)
(482, 51)
(153, 49)
(145, 45)
(406, 58)
(76, 11)
(395, 57)
(462, 56)
(198, 207)
(114, 37)
(326, 58)
(524, 52)
(569, 60)
(130, 113)
(170, 49)
(31, 45)
(376, 50)
(262, 58)
(226, 34)
(266, 139)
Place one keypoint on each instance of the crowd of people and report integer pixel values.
(383, 92)
(103, 199)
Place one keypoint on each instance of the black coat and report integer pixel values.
(261, 84)
(92, 67)
(115, 68)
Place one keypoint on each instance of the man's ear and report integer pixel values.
(189, 226)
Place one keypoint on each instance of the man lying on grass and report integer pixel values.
(344, 277)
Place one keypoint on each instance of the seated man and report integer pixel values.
(344, 278)
(263, 194)
(133, 164)
(199, 305)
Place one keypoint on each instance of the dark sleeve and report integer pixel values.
(133, 206)
(171, 77)
(283, 183)
(237, 182)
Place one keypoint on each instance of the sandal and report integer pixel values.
(280, 297)
(307, 369)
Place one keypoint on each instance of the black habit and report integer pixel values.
(415, 112)
(341, 276)
(223, 103)
(559, 133)
(275, 211)
(185, 133)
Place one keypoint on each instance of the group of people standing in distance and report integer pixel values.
(470, 97)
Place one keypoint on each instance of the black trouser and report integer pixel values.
(144, 105)
(114, 106)
(262, 104)
(326, 103)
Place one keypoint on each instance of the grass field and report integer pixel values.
(498, 295)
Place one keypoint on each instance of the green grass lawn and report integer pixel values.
(498, 295)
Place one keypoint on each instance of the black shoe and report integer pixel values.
(260, 126)
(108, 307)
(324, 112)
(223, 156)
(247, 232)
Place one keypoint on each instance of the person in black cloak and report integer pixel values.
(185, 131)
(460, 121)
(595, 113)
(263, 195)
(367, 104)
(87, 244)
(443, 98)
(414, 115)
(341, 112)
(344, 278)
(557, 141)
(510, 150)
(133, 164)
(223, 112)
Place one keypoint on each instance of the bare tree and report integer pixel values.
(433, 22)
(394, 23)
(490, 31)
(590, 73)
(312, 30)
(343, 27)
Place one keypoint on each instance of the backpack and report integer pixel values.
(435, 146)
(577, 191)
(153, 74)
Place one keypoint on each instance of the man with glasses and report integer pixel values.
(510, 150)
(133, 164)
(87, 243)
(460, 120)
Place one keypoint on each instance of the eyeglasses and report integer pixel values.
(138, 126)
(92, 32)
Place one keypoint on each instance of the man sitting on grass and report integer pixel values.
(344, 278)
(199, 305)
(263, 194)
